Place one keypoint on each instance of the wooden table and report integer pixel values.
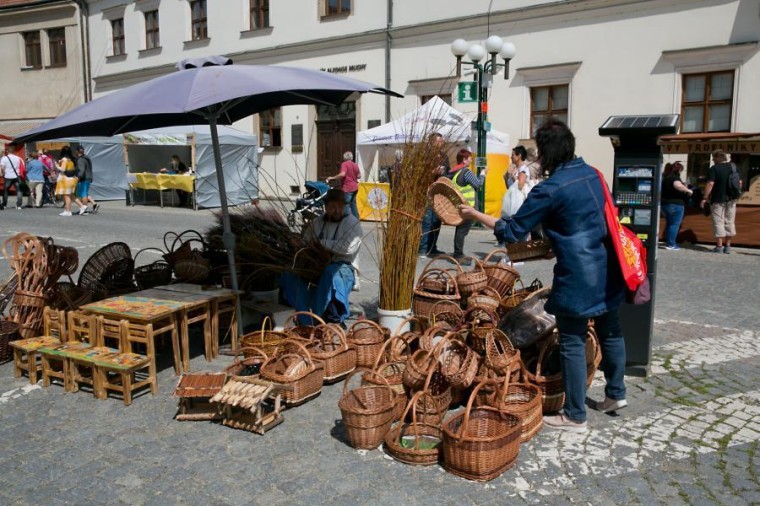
(162, 314)
(223, 300)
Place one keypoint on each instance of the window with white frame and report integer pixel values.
(198, 20)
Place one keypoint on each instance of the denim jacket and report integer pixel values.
(570, 206)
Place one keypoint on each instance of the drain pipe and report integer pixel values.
(388, 60)
(84, 36)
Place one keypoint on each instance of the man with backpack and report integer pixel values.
(84, 174)
(722, 191)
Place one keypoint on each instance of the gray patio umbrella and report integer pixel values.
(204, 91)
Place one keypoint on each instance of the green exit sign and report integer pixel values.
(467, 92)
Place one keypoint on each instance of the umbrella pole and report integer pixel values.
(228, 238)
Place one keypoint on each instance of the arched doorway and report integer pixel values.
(336, 134)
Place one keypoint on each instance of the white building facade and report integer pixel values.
(580, 60)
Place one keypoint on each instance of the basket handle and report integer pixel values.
(292, 318)
(366, 322)
(257, 350)
(134, 259)
(495, 252)
(409, 320)
(370, 373)
(412, 404)
(477, 263)
(305, 353)
(549, 341)
(445, 257)
(466, 418)
(170, 236)
(336, 330)
(443, 272)
(179, 237)
(432, 309)
(381, 355)
(435, 353)
(434, 329)
(263, 327)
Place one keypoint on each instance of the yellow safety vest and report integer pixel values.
(468, 192)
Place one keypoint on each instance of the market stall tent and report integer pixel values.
(113, 158)
(376, 146)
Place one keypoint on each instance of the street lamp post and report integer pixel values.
(484, 75)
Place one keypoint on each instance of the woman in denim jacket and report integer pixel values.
(587, 279)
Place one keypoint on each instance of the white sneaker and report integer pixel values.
(610, 405)
(82, 210)
(65, 213)
(564, 423)
(356, 286)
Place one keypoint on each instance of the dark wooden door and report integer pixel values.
(336, 134)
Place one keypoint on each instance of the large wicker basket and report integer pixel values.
(529, 249)
(293, 366)
(329, 346)
(473, 281)
(416, 443)
(368, 412)
(481, 443)
(501, 276)
(367, 337)
(445, 199)
(524, 401)
(153, 274)
(266, 339)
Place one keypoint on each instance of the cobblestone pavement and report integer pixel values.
(689, 436)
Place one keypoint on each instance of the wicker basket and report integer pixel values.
(552, 386)
(367, 337)
(423, 300)
(109, 270)
(296, 330)
(152, 274)
(252, 364)
(432, 408)
(294, 369)
(529, 249)
(480, 317)
(445, 199)
(481, 443)
(399, 438)
(501, 356)
(447, 311)
(69, 296)
(195, 269)
(9, 331)
(459, 364)
(329, 346)
(487, 298)
(434, 335)
(473, 281)
(501, 277)
(368, 412)
(266, 339)
(419, 366)
(517, 295)
(524, 401)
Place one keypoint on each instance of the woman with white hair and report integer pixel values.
(349, 177)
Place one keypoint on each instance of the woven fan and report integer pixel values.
(445, 199)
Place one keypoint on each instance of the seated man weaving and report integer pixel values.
(342, 236)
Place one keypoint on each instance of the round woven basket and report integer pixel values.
(367, 337)
(487, 298)
(445, 199)
(416, 443)
(152, 274)
(501, 276)
(473, 281)
(252, 364)
(367, 412)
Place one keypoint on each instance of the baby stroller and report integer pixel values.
(310, 204)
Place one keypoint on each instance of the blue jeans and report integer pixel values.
(350, 199)
(572, 350)
(431, 227)
(673, 217)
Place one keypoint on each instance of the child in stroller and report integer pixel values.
(310, 204)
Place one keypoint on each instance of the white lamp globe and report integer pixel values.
(476, 52)
(493, 44)
(508, 51)
(459, 47)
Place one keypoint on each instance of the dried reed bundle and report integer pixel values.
(266, 246)
(411, 179)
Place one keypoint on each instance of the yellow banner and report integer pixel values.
(495, 185)
(373, 201)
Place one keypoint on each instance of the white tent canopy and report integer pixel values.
(238, 151)
(435, 115)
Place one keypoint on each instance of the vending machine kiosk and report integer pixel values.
(636, 190)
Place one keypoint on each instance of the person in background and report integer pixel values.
(84, 175)
(349, 176)
(178, 167)
(722, 205)
(35, 175)
(67, 180)
(431, 225)
(673, 202)
(51, 175)
(468, 184)
(13, 170)
(519, 172)
(587, 280)
(341, 234)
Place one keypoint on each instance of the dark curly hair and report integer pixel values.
(555, 143)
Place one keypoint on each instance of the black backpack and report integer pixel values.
(734, 189)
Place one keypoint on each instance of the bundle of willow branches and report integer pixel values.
(267, 247)
(403, 231)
